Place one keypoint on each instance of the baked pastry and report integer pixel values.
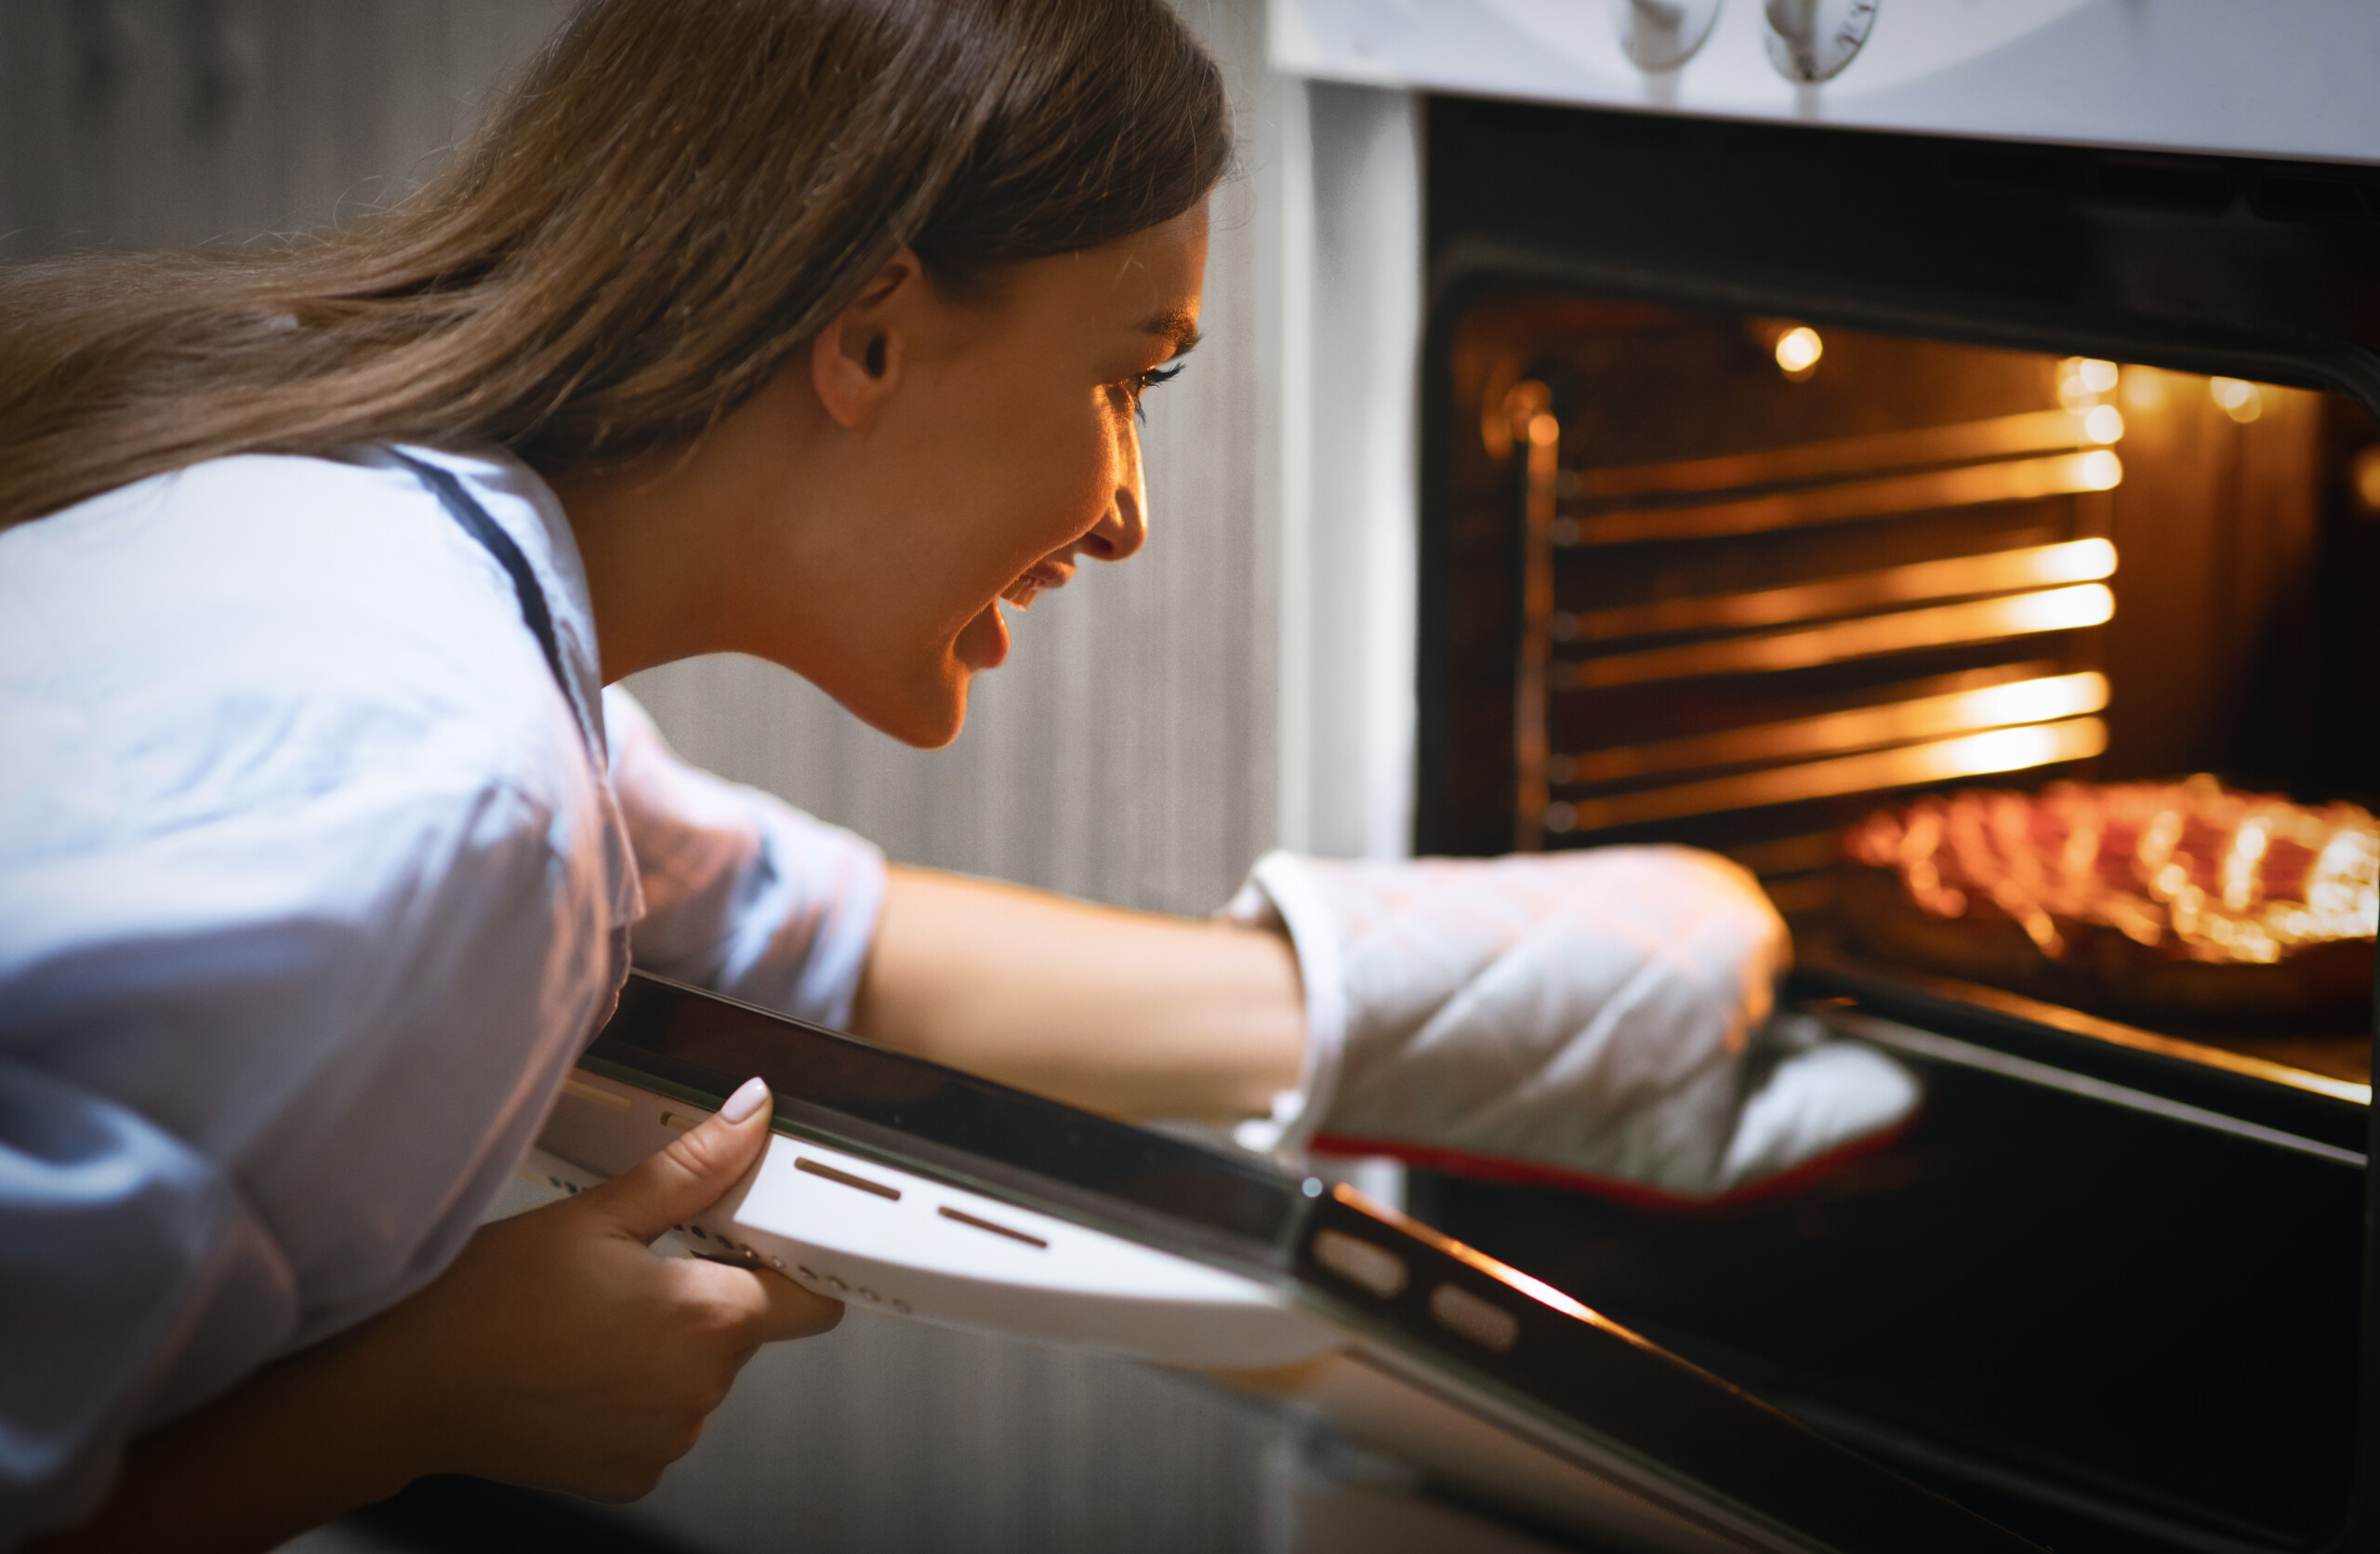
(2184, 906)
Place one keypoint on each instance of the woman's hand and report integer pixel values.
(557, 1352)
(560, 1352)
(1597, 1017)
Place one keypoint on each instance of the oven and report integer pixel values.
(1796, 456)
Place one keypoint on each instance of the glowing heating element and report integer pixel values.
(1871, 453)
(1957, 601)
(2078, 560)
(2063, 609)
(2012, 480)
(2041, 700)
(2002, 750)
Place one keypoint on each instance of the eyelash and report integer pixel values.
(1143, 382)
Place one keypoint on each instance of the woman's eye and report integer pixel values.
(1141, 383)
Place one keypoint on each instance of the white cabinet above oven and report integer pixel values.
(2288, 79)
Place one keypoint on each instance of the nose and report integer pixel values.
(1125, 528)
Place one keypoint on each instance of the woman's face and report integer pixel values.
(944, 455)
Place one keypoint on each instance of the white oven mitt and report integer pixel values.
(1601, 1015)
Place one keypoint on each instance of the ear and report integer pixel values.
(855, 363)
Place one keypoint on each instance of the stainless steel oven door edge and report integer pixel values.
(1927, 1044)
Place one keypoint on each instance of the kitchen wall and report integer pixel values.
(1126, 752)
(182, 122)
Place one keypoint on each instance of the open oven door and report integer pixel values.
(929, 1194)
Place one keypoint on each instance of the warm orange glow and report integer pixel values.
(2081, 381)
(2102, 471)
(2010, 480)
(2207, 872)
(1798, 351)
(2365, 472)
(2032, 432)
(2005, 750)
(2074, 560)
(2059, 609)
(2040, 700)
(2044, 700)
(2103, 423)
(2240, 400)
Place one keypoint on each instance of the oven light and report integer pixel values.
(2241, 401)
(2365, 472)
(2081, 381)
(1798, 351)
(2103, 423)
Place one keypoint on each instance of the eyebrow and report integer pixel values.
(1177, 327)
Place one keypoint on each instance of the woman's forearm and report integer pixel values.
(297, 1443)
(1130, 1013)
(558, 1351)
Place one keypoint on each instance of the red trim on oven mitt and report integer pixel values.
(1503, 1171)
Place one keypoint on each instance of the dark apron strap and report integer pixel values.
(464, 510)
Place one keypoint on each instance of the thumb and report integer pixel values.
(701, 1163)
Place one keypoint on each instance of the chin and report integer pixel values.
(929, 719)
(919, 700)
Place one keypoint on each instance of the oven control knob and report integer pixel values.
(1810, 41)
(1663, 35)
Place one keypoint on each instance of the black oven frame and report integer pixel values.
(2249, 268)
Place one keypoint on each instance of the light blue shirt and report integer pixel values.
(311, 889)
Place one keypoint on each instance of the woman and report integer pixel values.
(805, 328)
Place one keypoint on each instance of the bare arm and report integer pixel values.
(557, 1352)
(1130, 1013)
(312, 1437)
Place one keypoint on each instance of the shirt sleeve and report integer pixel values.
(309, 897)
(123, 1254)
(743, 893)
(267, 1104)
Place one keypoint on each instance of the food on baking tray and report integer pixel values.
(2176, 904)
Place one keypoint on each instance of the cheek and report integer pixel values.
(1053, 475)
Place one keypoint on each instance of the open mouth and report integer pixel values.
(1045, 575)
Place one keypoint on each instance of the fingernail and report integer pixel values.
(748, 1098)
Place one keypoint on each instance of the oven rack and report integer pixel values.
(1815, 686)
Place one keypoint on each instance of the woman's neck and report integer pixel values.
(669, 537)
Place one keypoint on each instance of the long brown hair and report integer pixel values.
(677, 193)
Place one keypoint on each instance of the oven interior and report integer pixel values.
(1771, 575)
(1736, 530)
